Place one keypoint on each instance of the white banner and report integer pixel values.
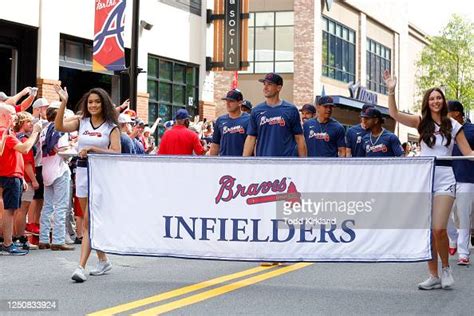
(262, 209)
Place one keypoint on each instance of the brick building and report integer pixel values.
(329, 44)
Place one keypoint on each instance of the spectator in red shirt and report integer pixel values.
(23, 129)
(11, 174)
(179, 140)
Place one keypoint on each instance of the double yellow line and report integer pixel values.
(274, 271)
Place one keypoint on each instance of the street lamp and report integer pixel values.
(133, 70)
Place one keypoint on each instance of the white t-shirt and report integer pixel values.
(439, 149)
(90, 136)
(53, 166)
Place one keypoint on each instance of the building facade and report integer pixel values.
(314, 44)
(43, 42)
(335, 43)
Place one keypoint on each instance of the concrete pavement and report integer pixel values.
(316, 288)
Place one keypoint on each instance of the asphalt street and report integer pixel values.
(149, 286)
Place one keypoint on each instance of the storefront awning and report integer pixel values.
(355, 104)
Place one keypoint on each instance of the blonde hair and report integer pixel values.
(22, 118)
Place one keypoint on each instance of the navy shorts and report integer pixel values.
(12, 190)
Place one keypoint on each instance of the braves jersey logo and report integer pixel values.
(238, 129)
(376, 148)
(319, 136)
(92, 134)
(277, 120)
(451, 188)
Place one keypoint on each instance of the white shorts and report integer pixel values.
(82, 184)
(27, 196)
(444, 181)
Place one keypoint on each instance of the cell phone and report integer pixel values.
(33, 91)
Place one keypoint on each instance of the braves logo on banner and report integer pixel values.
(108, 51)
(229, 190)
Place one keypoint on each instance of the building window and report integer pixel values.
(378, 59)
(193, 6)
(75, 53)
(172, 85)
(271, 42)
(338, 51)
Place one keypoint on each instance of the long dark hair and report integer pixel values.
(109, 113)
(426, 128)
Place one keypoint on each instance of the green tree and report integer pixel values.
(449, 62)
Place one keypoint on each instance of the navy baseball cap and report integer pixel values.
(234, 95)
(309, 108)
(326, 100)
(366, 105)
(181, 114)
(247, 104)
(273, 78)
(455, 106)
(371, 112)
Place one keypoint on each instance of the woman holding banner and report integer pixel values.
(437, 136)
(98, 133)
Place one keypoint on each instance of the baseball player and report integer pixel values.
(379, 142)
(325, 137)
(230, 130)
(274, 128)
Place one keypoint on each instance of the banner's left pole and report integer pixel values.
(133, 70)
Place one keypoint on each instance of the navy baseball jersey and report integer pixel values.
(230, 134)
(464, 169)
(275, 128)
(354, 137)
(324, 140)
(386, 144)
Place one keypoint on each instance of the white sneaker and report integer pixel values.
(447, 280)
(101, 268)
(68, 240)
(430, 284)
(79, 275)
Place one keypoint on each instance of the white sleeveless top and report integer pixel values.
(439, 148)
(90, 136)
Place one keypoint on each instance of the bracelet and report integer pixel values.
(391, 93)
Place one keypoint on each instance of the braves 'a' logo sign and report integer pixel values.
(108, 39)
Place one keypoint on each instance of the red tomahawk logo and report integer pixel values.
(292, 195)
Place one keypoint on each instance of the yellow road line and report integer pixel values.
(177, 292)
(220, 290)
